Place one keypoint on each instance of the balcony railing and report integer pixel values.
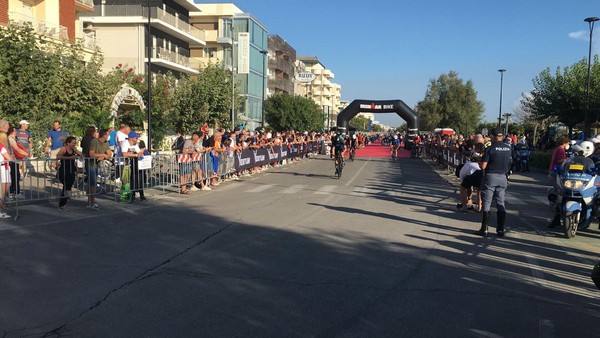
(167, 55)
(88, 41)
(42, 27)
(89, 3)
(155, 13)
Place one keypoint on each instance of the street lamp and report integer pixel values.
(264, 53)
(149, 80)
(232, 80)
(500, 110)
(587, 123)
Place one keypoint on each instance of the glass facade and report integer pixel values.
(252, 86)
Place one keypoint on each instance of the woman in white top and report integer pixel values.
(4, 173)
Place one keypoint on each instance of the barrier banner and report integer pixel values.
(250, 158)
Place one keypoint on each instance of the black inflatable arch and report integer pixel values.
(381, 106)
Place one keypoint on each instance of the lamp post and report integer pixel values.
(501, 83)
(232, 80)
(264, 53)
(149, 80)
(587, 123)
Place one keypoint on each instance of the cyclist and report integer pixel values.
(394, 145)
(353, 146)
(339, 147)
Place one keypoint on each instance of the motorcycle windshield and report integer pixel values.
(578, 166)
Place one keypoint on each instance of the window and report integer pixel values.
(209, 52)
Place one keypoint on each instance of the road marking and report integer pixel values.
(546, 328)
(364, 192)
(261, 188)
(514, 200)
(293, 189)
(543, 199)
(326, 190)
(357, 173)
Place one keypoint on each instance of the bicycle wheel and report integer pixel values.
(340, 166)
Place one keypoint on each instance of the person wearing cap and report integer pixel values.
(132, 153)
(55, 140)
(24, 139)
(495, 164)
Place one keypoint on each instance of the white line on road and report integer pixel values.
(357, 173)
(261, 188)
(543, 199)
(293, 189)
(326, 190)
(514, 200)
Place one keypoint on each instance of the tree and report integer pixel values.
(562, 95)
(361, 123)
(163, 99)
(288, 112)
(450, 103)
(204, 98)
(42, 81)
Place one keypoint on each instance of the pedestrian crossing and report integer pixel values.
(362, 191)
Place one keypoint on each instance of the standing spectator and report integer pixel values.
(495, 165)
(87, 138)
(120, 138)
(559, 154)
(99, 151)
(55, 140)
(4, 168)
(112, 137)
(15, 174)
(132, 153)
(193, 146)
(66, 173)
(24, 139)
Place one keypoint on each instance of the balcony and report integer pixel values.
(161, 20)
(169, 59)
(84, 5)
(49, 30)
(88, 41)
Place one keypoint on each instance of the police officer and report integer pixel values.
(495, 166)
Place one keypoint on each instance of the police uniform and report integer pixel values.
(496, 163)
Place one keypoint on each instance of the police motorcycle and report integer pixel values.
(522, 157)
(574, 197)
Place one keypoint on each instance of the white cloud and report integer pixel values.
(580, 35)
(584, 35)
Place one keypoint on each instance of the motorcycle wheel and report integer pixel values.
(570, 224)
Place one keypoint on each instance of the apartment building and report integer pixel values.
(120, 28)
(56, 20)
(322, 90)
(238, 41)
(281, 66)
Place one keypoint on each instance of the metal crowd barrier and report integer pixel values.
(447, 157)
(42, 179)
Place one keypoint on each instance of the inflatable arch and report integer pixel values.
(382, 106)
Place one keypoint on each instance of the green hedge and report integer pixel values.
(541, 159)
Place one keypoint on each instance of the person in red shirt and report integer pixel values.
(559, 154)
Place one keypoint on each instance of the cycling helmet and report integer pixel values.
(587, 148)
(395, 137)
(354, 136)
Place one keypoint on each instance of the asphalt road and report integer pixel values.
(294, 252)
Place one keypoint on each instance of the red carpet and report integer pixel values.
(377, 150)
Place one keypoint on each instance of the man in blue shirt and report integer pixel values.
(55, 140)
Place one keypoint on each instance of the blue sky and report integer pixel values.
(390, 49)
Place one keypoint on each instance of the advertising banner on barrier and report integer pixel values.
(250, 158)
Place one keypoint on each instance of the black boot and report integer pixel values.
(555, 221)
(501, 218)
(484, 224)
